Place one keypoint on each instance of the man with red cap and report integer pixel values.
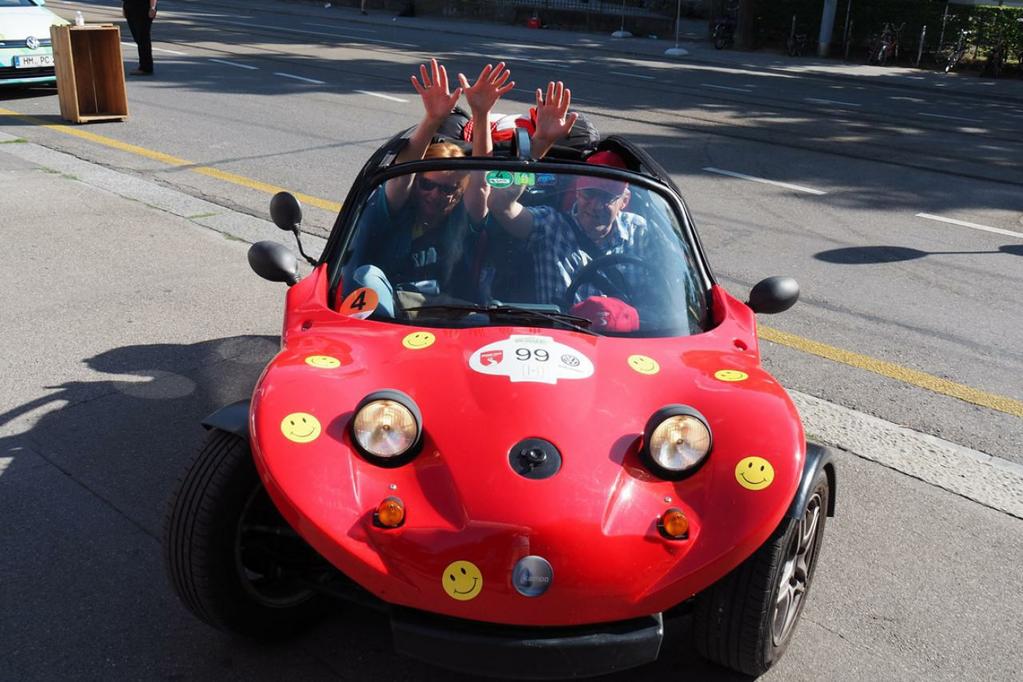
(564, 242)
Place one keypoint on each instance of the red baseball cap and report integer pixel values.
(607, 314)
(604, 158)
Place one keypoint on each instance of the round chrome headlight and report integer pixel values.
(676, 441)
(387, 428)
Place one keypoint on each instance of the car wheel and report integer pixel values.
(231, 558)
(745, 621)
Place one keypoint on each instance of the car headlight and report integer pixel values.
(387, 428)
(676, 441)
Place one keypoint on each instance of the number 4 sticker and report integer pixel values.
(360, 304)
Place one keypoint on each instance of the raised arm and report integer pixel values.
(553, 121)
(490, 85)
(437, 103)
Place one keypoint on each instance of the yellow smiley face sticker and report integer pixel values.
(730, 375)
(418, 340)
(754, 473)
(300, 427)
(462, 580)
(323, 361)
(644, 364)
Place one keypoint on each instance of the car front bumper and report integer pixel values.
(526, 652)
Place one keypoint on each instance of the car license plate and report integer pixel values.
(33, 61)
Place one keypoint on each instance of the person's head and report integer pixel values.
(599, 201)
(438, 192)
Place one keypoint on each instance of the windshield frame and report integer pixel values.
(369, 179)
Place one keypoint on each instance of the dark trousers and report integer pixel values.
(137, 14)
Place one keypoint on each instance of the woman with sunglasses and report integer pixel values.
(421, 223)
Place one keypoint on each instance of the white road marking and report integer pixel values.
(992, 481)
(347, 28)
(786, 185)
(4, 463)
(240, 66)
(725, 87)
(633, 75)
(299, 78)
(316, 33)
(975, 226)
(831, 101)
(951, 118)
(160, 49)
(381, 96)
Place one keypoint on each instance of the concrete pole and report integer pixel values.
(827, 25)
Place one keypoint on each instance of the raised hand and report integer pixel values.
(490, 85)
(552, 118)
(437, 100)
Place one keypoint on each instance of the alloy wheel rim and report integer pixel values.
(797, 571)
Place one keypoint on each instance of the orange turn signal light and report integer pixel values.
(390, 513)
(673, 524)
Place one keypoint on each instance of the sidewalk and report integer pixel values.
(693, 38)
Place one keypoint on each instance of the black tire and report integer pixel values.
(231, 558)
(720, 42)
(736, 620)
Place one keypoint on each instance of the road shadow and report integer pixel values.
(870, 255)
(754, 103)
(87, 471)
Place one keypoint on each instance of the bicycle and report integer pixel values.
(796, 43)
(995, 60)
(886, 47)
(723, 29)
(956, 55)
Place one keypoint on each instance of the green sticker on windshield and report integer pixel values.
(526, 179)
(500, 179)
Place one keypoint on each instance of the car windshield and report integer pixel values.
(17, 3)
(459, 248)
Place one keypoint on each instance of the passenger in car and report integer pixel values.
(422, 226)
(563, 242)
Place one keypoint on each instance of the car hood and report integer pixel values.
(595, 520)
(18, 23)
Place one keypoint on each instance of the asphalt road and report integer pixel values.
(295, 95)
(136, 321)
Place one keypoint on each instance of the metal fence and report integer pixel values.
(634, 8)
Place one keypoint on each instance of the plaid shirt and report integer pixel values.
(559, 255)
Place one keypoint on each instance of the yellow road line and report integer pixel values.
(893, 371)
(886, 369)
(172, 160)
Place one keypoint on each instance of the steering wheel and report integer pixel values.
(600, 274)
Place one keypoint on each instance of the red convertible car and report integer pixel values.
(531, 437)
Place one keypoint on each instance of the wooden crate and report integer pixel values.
(90, 72)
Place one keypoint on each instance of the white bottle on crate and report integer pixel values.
(79, 19)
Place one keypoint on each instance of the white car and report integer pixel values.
(26, 53)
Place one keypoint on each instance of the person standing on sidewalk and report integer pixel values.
(140, 15)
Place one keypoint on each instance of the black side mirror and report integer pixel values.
(286, 212)
(773, 295)
(274, 262)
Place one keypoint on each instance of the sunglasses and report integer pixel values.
(600, 196)
(430, 185)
